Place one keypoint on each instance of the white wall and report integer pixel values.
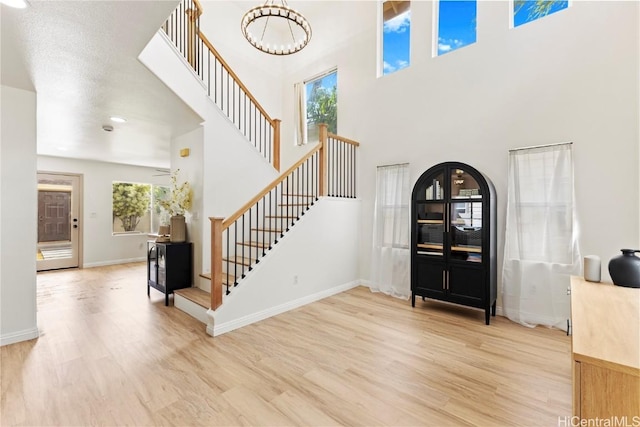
(572, 76)
(317, 258)
(100, 246)
(260, 72)
(191, 170)
(18, 215)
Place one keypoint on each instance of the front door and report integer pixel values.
(58, 221)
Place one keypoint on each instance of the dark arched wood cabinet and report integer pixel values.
(453, 237)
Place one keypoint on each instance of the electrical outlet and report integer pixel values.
(295, 279)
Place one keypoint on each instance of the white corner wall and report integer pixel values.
(317, 258)
(100, 246)
(18, 215)
(192, 170)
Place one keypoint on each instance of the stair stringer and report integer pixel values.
(232, 170)
(321, 249)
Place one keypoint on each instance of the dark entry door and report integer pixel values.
(53, 216)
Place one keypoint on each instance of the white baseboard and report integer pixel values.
(191, 308)
(279, 309)
(112, 262)
(14, 337)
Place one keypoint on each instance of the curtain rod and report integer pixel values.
(320, 75)
(396, 164)
(540, 146)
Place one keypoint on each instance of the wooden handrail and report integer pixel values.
(343, 139)
(235, 77)
(231, 219)
(198, 7)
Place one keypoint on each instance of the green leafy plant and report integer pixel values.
(179, 198)
(322, 106)
(535, 8)
(130, 203)
(161, 215)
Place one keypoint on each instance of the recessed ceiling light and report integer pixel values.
(118, 119)
(62, 148)
(18, 4)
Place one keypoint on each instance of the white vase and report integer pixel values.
(178, 229)
(591, 268)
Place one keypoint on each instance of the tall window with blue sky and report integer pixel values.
(456, 24)
(396, 35)
(525, 11)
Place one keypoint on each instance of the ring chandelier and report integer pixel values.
(277, 11)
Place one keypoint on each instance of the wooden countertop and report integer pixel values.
(606, 321)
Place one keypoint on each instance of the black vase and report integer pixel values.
(625, 269)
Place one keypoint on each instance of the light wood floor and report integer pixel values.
(107, 355)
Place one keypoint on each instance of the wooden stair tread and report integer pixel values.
(267, 230)
(239, 260)
(254, 244)
(196, 295)
(232, 279)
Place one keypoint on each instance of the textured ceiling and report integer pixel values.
(81, 59)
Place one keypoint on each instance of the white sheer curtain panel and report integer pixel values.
(299, 113)
(390, 255)
(541, 242)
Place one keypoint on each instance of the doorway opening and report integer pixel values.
(59, 228)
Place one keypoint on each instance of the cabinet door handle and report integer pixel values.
(444, 279)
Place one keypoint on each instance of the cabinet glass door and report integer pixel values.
(466, 231)
(433, 188)
(465, 226)
(430, 226)
(464, 186)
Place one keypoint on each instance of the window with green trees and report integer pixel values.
(322, 104)
(135, 207)
(525, 11)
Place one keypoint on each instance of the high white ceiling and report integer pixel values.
(80, 57)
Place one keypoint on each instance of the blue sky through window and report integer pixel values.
(456, 24)
(527, 11)
(327, 82)
(396, 34)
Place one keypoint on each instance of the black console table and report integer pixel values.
(169, 267)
